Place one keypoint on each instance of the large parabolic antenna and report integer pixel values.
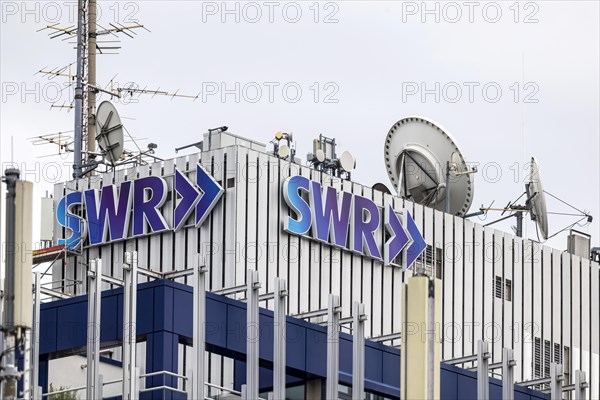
(417, 154)
(537, 198)
(110, 131)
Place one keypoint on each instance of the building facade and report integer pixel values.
(512, 292)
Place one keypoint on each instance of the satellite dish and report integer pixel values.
(537, 197)
(417, 151)
(380, 187)
(320, 155)
(110, 131)
(283, 151)
(347, 161)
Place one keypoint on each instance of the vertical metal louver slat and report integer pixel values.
(537, 358)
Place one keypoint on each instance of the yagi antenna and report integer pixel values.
(88, 35)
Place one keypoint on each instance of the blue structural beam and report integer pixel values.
(164, 319)
(458, 383)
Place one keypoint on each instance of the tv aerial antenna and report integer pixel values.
(535, 205)
(426, 166)
(87, 33)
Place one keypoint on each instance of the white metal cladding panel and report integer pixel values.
(585, 313)
(595, 309)
(518, 301)
(530, 330)
(567, 322)
(450, 255)
(576, 312)
(546, 293)
(537, 291)
(376, 284)
(468, 294)
(508, 306)
(479, 297)
(497, 324)
(239, 224)
(556, 297)
(488, 280)
(458, 284)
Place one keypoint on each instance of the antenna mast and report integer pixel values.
(91, 100)
(77, 172)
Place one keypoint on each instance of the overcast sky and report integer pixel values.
(508, 80)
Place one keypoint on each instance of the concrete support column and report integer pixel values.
(421, 346)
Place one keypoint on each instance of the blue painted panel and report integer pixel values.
(182, 310)
(495, 391)
(390, 375)
(373, 364)
(467, 388)
(48, 336)
(312, 360)
(448, 384)
(110, 328)
(71, 332)
(296, 347)
(345, 358)
(163, 308)
(217, 323)
(235, 328)
(145, 310)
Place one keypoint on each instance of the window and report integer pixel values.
(502, 288)
(499, 293)
(545, 353)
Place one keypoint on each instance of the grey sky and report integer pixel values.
(368, 61)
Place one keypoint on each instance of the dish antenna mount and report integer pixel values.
(426, 166)
(535, 205)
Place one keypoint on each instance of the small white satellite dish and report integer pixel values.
(109, 131)
(347, 161)
(417, 151)
(537, 197)
(283, 151)
(320, 155)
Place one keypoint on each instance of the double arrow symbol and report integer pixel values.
(202, 196)
(400, 238)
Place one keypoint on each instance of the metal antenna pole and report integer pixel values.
(483, 370)
(91, 73)
(79, 91)
(93, 328)
(279, 360)
(508, 374)
(519, 216)
(35, 338)
(252, 335)
(129, 325)
(333, 347)
(199, 332)
(10, 373)
(556, 380)
(358, 357)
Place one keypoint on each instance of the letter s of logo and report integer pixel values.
(67, 218)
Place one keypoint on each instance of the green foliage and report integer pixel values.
(62, 396)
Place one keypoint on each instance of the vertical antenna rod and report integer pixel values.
(91, 99)
(79, 90)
